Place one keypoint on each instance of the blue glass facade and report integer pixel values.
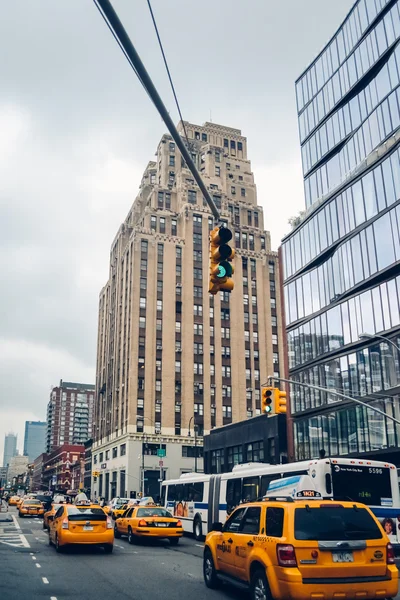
(342, 262)
(35, 439)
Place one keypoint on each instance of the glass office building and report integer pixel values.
(342, 261)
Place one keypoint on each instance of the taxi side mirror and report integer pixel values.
(216, 526)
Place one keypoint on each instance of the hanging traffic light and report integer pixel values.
(221, 256)
(280, 402)
(267, 400)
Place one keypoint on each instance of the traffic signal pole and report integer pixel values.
(124, 41)
(272, 378)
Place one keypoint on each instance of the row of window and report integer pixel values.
(361, 201)
(361, 17)
(380, 124)
(99, 458)
(371, 312)
(369, 370)
(352, 70)
(349, 430)
(350, 116)
(372, 250)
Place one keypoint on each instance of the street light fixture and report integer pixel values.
(370, 336)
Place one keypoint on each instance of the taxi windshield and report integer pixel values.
(335, 523)
(153, 512)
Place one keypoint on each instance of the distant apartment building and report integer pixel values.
(170, 356)
(34, 439)
(58, 464)
(10, 448)
(38, 475)
(69, 414)
(341, 262)
(18, 466)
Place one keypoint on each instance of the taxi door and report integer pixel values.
(56, 523)
(226, 542)
(246, 539)
(123, 521)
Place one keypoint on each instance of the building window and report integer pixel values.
(162, 224)
(173, 227)
(197, 291)
(271, 267)
(172, 146)
(198, 310)
(143, 246)
(192, 196)
(233, 145)
(142, 322)
(274, 321)
(203, 137)
(274, 338)
(226, 391)
(160, 202)
(178, 252)
(226, 371)
(197, 328)
(248, 374)
(158, 385)
(251, 242)
(249, 217)
(142, 303)
(115, 452)
(272, 286)
(217, 171)
(217, 157)
(225, 332)
(240, 146)
(243, 191)
(171, 160)
(262, 242)
(273, 303)
(153, 223)
(197, 348)
(275, 358)
(255, 452)
(107, 455)
(198, 409)
(227, 412)
(256, 219)
(233, 190)
(198, 368)
(177, 326)
(159, 287)
(177, 366)
(167, 200)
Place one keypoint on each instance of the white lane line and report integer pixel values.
(38, 566)
(33, 557)
(53, 598)
(119, 546)
(17, 526)
(200, 545)
(45, 580)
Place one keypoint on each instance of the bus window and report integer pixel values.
(180, 492)
(163, 494)
(233, 494)
(171, 493)
(265, 481)
(251, 489)
(195, 492)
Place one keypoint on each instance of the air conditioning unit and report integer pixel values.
(249, 389)
(224, 387)
(178, 285)
(159, 347)
(213, 385)
(213, 406)
(178, 349)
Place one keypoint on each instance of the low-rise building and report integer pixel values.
(37, 476)
(57, 467)
(18, 466)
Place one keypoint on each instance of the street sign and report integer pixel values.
(161, 452)
(160, 463)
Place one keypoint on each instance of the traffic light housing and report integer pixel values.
(267, 400)
(221, 256)
(95, 475)
(280, 402)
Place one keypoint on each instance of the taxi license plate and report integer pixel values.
(87, 528)
(162, 525)
(342, 557)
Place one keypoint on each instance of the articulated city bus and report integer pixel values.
(199, 499)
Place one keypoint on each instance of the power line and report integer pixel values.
(124, 42)
(166, 66)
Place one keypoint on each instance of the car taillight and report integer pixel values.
(142, 523)
(64, 524)
(390, 555)
(109, 523)
(179, 524)
(286, 555)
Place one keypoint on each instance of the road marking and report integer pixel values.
(200, 545)
(38, 566)
(33, 557)
(45, 580)
(119, 546)
(53, 598)
(16, 522)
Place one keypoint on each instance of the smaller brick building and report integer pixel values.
(57, 468)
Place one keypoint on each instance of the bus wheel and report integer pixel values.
(197, 528)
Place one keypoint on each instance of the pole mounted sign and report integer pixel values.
(161, 452)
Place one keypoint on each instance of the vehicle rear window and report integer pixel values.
(32, 503)
(77, 513)
(153, 512)
(335, 523)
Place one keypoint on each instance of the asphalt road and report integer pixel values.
(30, 569)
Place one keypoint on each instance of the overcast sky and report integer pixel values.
(77, 130)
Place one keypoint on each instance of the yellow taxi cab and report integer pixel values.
(81, 523)
(49, 514)
(119, 511)
(148, 522)
(30, 507)
(300, 549)
(13, 500)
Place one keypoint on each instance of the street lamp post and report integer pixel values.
(370, 336)
(195, 441)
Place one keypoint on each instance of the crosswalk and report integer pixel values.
(11, 535)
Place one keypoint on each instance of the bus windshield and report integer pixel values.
(361, 483)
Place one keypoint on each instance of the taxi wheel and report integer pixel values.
(58, 547)
(117, 534)
(209, 573)
(131, 537)
(259, 588)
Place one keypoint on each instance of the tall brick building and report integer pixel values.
(170, 355)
